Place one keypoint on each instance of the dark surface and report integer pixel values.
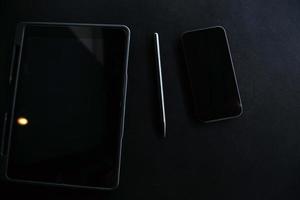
(256, 156)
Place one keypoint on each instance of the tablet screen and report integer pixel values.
(68, 115)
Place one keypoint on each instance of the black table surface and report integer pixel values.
(256, 156)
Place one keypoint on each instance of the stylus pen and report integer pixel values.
(161, 88)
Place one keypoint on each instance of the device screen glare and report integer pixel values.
(22, 121)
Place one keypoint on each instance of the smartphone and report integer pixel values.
(66, 119)
(211, 74)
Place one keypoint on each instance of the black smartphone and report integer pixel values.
(211, 74)
(68, 105)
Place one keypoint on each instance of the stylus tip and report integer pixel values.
(165, 130)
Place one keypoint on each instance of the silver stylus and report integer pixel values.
(161, 88)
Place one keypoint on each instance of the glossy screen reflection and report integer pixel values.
(71, 91)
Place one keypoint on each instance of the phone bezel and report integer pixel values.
(233, 69)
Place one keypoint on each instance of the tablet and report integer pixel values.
(66, 120)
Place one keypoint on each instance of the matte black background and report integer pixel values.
(256, 156)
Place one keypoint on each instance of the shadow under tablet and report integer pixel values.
(211, 74)
(71, 89)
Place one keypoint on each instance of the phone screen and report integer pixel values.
(211, 74)
(69, 106)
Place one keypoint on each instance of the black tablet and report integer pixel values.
(66, 120)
